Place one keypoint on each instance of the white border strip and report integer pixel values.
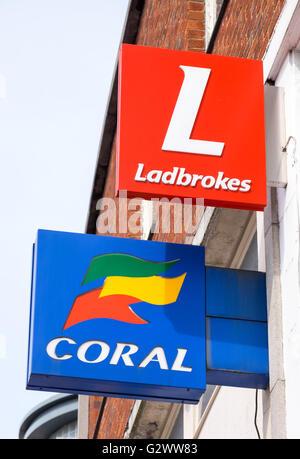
(276, 51)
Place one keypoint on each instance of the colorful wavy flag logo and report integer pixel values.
(128, 280)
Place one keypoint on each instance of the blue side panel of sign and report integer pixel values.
(236, 327)
(175, 330)
(236, 294)
(237, 347)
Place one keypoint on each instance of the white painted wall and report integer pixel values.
(289, 225)
(232, 415)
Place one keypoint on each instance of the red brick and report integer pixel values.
(194, 24)
(195, 15)
(194, 43)
(195, 6)
(195, 33)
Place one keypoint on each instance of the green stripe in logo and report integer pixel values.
(119, 264)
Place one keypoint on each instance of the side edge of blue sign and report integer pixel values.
(113, 389)
(31, 314)
(236, 328)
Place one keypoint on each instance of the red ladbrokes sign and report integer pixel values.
(191, 125)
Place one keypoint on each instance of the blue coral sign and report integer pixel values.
(141, 319)
(118, 317)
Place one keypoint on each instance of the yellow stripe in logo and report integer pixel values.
(153, 290)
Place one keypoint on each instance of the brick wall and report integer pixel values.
(114, 420)
(174, 24)
(179, 24)
(247, 27)
(195, 26)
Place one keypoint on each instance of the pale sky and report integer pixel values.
(57, 59)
